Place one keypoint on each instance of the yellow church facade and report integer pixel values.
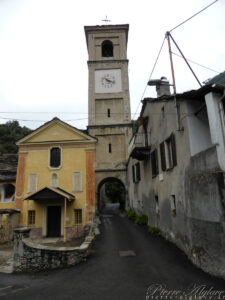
(55, 185)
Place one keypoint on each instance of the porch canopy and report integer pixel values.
(50, 193)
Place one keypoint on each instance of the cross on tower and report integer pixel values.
(106, 20)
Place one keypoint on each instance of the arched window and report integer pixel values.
(107, 48)
(7, 192)
(54, 180)
(55, 157)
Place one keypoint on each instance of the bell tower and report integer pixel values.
(109, 117)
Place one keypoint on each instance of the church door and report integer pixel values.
(54, 221)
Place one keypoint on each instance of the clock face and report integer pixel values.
(108, 81)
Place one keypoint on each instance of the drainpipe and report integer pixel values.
(65, 239)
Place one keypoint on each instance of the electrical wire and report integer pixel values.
(196, 63)
(160, 50)
(193, 16)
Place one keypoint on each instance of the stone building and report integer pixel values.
(109, 102)
(176, 171)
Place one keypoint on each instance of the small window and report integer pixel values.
(168, 153)
(136, 172)
(108, 113)
(32, 183)
(173, 204)
(54, 180)
(31, 217)
(107, 49)
(77, 216)
(156, 204)
(77, 182)
(110, 148)
(154, 162)
(55, 157)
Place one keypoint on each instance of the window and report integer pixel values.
(32, 183)
(77, 216)
(77, 182)
(31, 217)
(54, 180)
(55, 157)
(108, 113)
(173, 204)
(136, 172)
(110, 148)
(7, 192)
(107, 49)
(168, 153)
(154, 162)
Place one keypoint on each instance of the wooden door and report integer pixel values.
(54, 221)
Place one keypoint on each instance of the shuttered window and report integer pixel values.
(168, 153)
(54, 180)
(55, 157)
(77, 182)
(154, 163)
(163, 157)
(32, 187)
(136, 171)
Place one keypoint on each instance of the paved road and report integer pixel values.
(107, 275)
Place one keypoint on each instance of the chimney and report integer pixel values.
(162, 86)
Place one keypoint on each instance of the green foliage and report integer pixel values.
(10, 133)
(141, 219)
(130, 214)
(113, 191)
(153, 230)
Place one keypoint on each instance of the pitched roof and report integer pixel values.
(217, 80)
(85, 137)
(50, 193)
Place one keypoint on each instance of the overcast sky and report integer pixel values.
(43, 53)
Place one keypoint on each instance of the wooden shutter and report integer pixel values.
(133, 173)
(173, 146)
(77, 183)
(163, 156)
(138, 171)
(32, 183)
(156, 162)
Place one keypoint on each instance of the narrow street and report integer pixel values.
(113, 272)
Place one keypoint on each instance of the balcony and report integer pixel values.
(139, 147)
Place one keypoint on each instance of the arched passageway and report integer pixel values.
(111, 191)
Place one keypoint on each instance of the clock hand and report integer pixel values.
(109, 80)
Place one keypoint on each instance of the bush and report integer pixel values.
(141, 219)
(130, 214)
(153, 230)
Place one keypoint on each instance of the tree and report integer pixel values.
(10, 133)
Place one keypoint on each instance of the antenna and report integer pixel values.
(106, 20)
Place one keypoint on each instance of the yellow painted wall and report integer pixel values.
(73, 159)
(37, 162)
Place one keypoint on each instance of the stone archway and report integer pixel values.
(111, 190)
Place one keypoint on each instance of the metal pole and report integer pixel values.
(174, 83)
(65, 239)
(169, 35)
(171, 63)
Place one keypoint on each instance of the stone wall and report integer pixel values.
(30, 257)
